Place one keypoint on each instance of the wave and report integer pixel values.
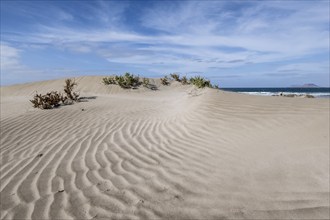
(316, 95)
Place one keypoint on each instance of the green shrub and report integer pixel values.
(125, 81)
(120, 80)
(109, 80)
(164, 81)
(200, 82)
(176, 77)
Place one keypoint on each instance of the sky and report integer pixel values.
(232, 43)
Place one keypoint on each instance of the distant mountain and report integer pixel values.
(307, 85)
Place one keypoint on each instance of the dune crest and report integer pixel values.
(175, 153)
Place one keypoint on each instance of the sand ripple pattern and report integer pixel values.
(182, 154)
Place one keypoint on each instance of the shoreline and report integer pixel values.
(319, 92)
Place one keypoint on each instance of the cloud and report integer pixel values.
(181, 35)
(284, 75)
(186, 26)
(11, 68)
(265, 36)
(9, 57)
(306, 66)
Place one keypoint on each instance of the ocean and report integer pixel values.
(316, 92)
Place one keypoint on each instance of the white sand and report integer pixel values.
(175, 153)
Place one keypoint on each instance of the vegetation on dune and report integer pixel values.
(54, 99)
(130, 81)
(145, 82)
(165, 81)
(176, 77)
(184, 80)
(68, 89)
(200, 82)
(50, 100)
(125, 81)
(109, 80)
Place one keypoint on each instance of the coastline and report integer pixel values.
(318, 92)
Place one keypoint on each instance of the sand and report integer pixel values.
(175, 153)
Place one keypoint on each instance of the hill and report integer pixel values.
(307, 85)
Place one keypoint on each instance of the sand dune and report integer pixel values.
(175, 153)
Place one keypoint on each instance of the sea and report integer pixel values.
(319, 92)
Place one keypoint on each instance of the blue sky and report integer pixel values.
(233, 43)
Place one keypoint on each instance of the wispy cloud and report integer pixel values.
(9, 57)
(182, 36)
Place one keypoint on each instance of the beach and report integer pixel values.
(174, 153)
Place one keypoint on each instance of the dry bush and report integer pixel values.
(175, 76)
(50, 100)
(68, 89)
(184, 80)
(53, 99)
(165, 81)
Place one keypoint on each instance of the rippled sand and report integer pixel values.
(174, 153)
